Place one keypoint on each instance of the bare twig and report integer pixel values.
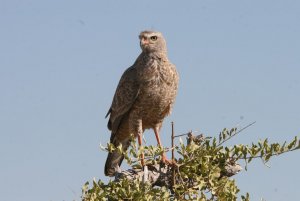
(173, 157)
(183, 134)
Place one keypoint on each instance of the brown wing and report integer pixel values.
(125, 95)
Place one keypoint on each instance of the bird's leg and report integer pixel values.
(164, 158)
(136, 127)
(140, 144)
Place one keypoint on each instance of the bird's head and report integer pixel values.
(152, 41)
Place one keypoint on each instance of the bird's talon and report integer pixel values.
(166, 161)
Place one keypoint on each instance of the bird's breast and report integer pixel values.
(156, 92)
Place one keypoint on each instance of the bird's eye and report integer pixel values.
(154, 38)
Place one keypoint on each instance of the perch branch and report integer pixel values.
(162, 175)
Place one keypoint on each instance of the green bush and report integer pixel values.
(203, 170)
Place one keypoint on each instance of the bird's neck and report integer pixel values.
(156, 55)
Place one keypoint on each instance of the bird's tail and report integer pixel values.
(114, 159)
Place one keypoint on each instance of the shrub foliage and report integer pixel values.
(203, 170)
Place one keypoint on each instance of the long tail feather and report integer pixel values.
(112, 164)
(114, 159)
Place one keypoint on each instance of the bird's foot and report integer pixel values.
(166, 161)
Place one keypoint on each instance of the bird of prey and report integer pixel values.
(144, 97)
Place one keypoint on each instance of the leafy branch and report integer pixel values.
(203, 170)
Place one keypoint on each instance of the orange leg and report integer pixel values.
(142, 155)
(164, 158)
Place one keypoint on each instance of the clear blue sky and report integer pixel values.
(60, 62)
